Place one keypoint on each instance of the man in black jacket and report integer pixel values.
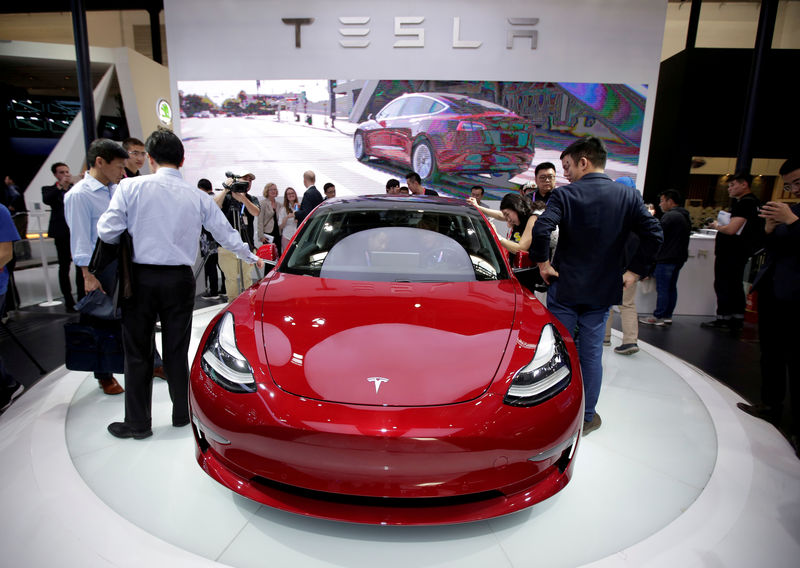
(58, 230)
(594, 215)
(778, 287)
(311, 198)
(677, 226)
(736, 240)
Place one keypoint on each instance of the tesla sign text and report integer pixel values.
(356, 29)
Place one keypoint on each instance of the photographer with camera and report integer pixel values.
(241, 210)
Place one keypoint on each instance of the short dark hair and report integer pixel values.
(414, 176)
(205, 185)
(544, 166)
(478, 187)
(327, 185)
(128, 142)
(106, 149)
(57, 165)
(741, 176)
(589, 147)
(392, 183)
(673, 195)
(789, 166)
(165, 147)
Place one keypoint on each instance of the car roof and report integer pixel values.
(435, 95)
(398, 202)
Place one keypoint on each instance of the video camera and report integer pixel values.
(236, 184)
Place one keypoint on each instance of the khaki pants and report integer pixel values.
(628, 315)
(229, 264)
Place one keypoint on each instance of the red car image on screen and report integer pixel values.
(390, 369)
(433, 133)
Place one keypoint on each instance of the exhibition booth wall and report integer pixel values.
(129, 79)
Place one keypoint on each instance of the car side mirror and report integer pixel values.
(530, 278)
(269, 254)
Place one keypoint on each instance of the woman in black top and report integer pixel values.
(516, 211)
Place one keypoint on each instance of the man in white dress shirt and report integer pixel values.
(83, 205)
(164, 216)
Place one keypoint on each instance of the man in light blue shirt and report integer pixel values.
(164, 216)
(83, 205)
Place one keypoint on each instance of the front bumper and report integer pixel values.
(424, 465)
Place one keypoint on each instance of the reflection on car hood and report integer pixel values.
(385, 343)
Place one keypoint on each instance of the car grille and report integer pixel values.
(382, 502)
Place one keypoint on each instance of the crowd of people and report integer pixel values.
(591, 240)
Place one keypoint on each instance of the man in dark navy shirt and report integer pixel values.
(594, 215)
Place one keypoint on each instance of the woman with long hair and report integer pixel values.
(286, 220)
(516, 211)
(268, 224)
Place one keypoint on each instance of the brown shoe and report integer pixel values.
(159, 372)
(110, 386)
(591, 425)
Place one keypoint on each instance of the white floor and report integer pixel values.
(676, 477)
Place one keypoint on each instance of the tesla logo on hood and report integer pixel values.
(377, 381)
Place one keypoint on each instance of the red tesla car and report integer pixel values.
(389, 369)
(434, 133)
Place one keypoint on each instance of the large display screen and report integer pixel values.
(357, 134)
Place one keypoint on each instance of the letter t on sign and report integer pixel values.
(297, 22)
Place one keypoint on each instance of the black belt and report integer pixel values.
(164, 267)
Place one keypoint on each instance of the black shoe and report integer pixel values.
(210, 296)
(627, 349)
(9, 394)
(768, 413)
(179, 423)
(718, 323)
(591, 425)
(122, 430)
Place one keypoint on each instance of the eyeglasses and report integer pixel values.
(546, 177)
(795, 184)
(136, 153)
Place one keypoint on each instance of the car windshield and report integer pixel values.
(395, 245)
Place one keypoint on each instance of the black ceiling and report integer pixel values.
(89, 5)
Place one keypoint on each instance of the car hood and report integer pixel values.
(385, 343)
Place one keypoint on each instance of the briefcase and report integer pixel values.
(94, 348)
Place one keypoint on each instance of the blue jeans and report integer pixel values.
(587, 324)
(6, 380)
(666, 276)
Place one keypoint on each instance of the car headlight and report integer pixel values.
(545, 376)
(223, 362)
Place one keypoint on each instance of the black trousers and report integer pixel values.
(210, 269)
(64, 261)
(165, 293)
(779, 335)
(729, 284)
